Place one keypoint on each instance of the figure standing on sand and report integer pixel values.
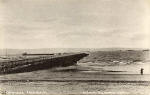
(142, 71)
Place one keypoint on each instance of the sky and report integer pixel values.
(74, 24)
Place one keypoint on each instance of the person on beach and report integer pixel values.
(142, 71)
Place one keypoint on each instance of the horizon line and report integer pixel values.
(79, 48)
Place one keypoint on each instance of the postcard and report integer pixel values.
(99, 47)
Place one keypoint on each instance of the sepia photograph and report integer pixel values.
(74, 47)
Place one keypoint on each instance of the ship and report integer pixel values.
(39, 62)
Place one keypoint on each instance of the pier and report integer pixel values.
(39, 62)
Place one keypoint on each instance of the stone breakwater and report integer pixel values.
(39, 63)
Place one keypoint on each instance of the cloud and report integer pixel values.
(74, 23)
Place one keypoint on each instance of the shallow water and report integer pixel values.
(133, 68)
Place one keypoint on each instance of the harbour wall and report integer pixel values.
(45, 62)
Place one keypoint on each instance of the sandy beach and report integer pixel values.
(70, 81)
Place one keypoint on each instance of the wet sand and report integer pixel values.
(56, 81)
(45, 87)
